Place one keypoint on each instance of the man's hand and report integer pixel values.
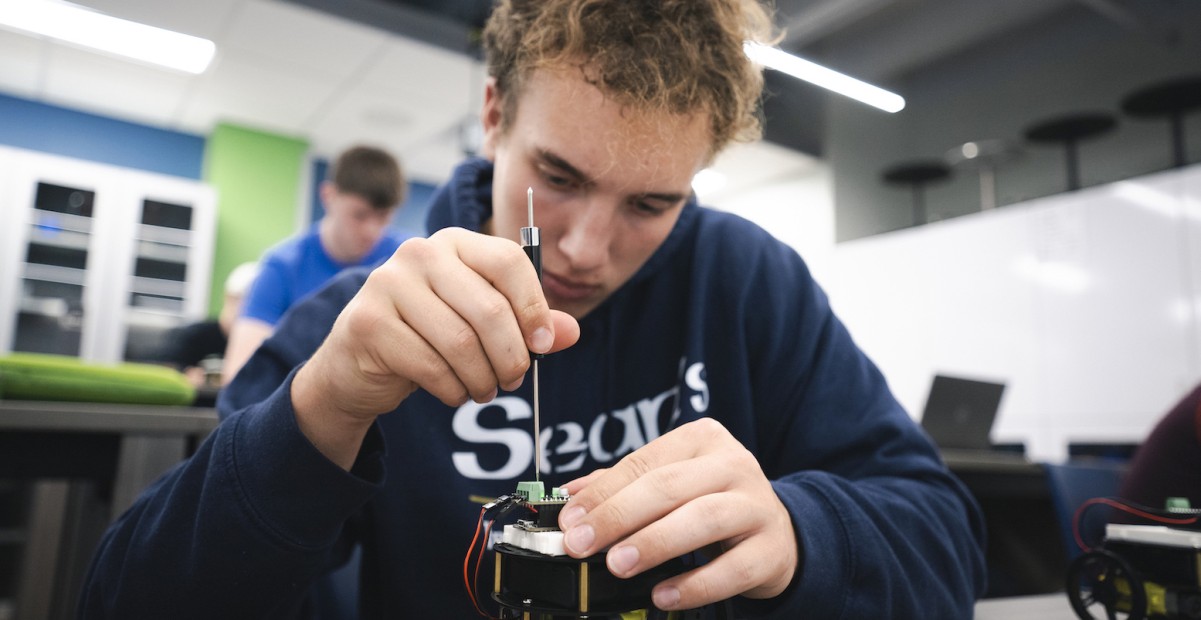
(693, 487)
(455, 314)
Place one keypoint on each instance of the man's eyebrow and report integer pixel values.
(582, 178)
(562, 164)
(673, 198)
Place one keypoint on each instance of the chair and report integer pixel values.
(916, 174)
(1172, 99)
(1070, 130)
(983, 156)
(1073, 483)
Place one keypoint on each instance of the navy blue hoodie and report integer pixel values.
(723, 321)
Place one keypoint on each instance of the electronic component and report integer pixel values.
(1142, 571)
(540, 533)
(535, 578)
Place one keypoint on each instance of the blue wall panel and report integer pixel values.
(61, 131)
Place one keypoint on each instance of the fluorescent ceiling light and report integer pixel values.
(826, 78)
(82, 26)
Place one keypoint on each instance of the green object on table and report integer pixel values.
(37, 376)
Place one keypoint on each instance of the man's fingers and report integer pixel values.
(478, 333)
(567, 330)
(465, 296)
(401, 351)
(646, 500)
(700, 522)
(577, 485)
(680, 444)
(737, 571)
(454, 339)
(686, 490)
(506, 267)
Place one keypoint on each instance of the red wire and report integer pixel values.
(467, 561)
(1125, 508)
(480, 560)
(472, 584)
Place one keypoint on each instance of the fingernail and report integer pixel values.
(622, 559)
(542, 340)
(514, 385)
(489, 398)
(570, 515)
(579, 539)
(665, 597)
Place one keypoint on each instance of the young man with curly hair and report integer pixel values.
(701, 395)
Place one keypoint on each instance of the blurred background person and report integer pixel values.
(1168, 463)
(197, 349)
(364, 189)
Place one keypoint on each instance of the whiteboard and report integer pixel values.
(1085, 304)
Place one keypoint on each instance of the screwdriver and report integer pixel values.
(531, 242)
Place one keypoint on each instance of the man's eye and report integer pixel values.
(557, 181)
(646, 208)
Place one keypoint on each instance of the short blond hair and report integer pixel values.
(678, 56)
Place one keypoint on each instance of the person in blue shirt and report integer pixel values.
(364, 189)
(699, 397)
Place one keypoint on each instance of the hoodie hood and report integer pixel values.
(465, 201)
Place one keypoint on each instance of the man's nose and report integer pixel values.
(585, 242)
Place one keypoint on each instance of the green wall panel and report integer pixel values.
(258, 180)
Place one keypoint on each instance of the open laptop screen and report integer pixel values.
(959, 412)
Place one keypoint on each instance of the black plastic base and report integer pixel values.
(554, 587)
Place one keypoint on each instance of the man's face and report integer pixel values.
(609, 182)
(351, 226)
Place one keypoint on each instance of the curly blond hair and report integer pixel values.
(678, 56)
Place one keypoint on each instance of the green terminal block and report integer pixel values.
(1177, 504)
(531, 491)
(558, 493)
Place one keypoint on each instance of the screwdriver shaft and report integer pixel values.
(532, 243)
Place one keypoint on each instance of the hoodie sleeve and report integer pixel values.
(243, 527)
(884, 529)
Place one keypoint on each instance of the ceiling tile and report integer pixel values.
(264, 94)
(401, 123)
(199, 19)
(412, 69)
(21, 62)
(123, 89)
(425, 137)
(303, 38)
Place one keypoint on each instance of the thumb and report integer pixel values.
(567, 330)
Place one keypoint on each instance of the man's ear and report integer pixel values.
(491, 115)
(327, 191)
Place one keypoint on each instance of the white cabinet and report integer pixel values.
(98, 261)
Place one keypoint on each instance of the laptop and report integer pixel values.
(959, 417)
